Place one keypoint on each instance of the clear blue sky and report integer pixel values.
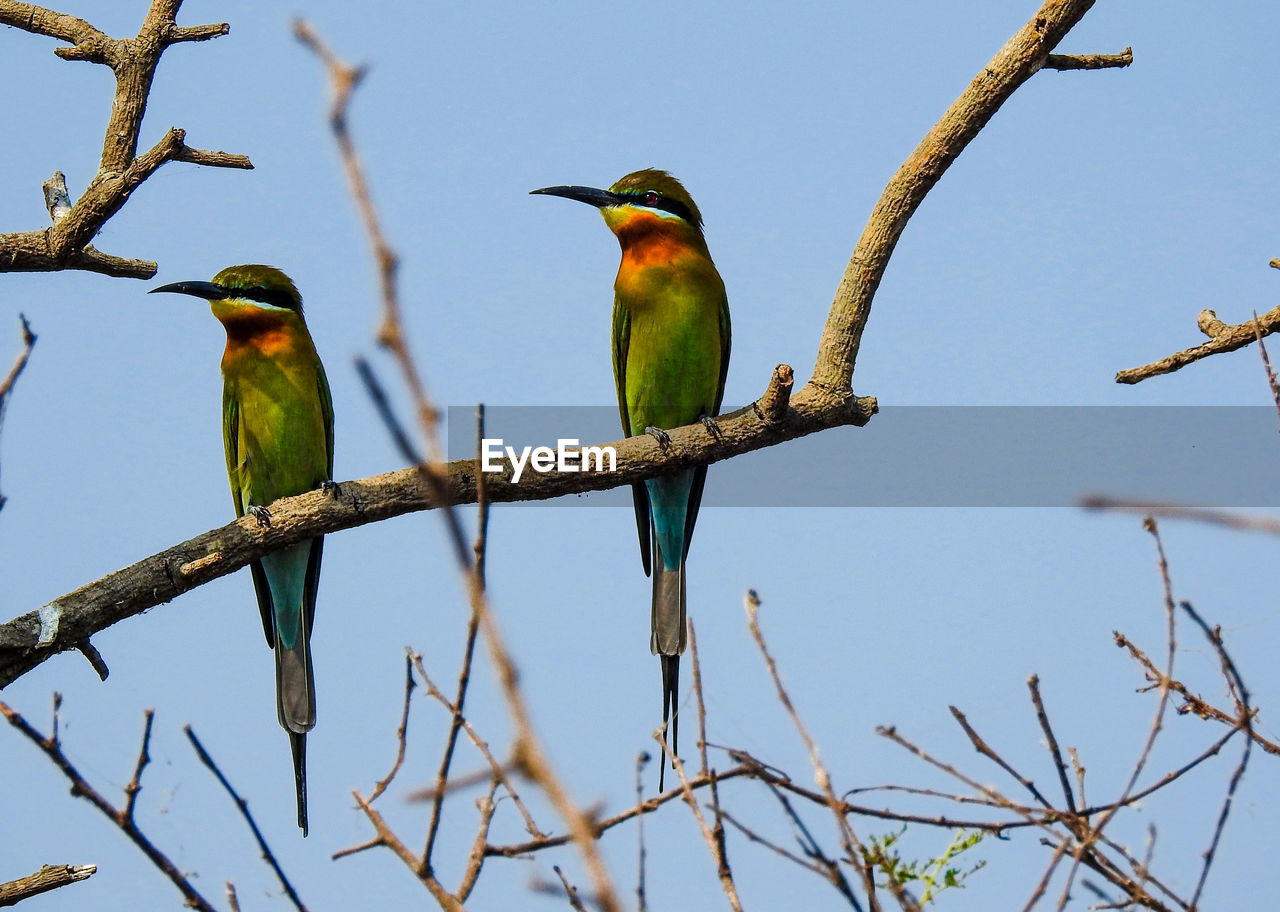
(1079, 234)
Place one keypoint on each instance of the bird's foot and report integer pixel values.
(712, 428)
(658, 434)
(261, 514)
(332, 488)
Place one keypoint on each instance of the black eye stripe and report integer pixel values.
(269, 296)
(665, 203)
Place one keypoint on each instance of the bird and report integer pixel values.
(671, 336)
(277, 428)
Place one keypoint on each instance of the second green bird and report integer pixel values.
(670, 358)
(277, 427)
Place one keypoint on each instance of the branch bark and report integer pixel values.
(49, 877)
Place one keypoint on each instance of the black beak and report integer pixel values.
(601, 199)
(206, 290)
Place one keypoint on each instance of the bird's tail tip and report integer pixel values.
(670, 712)
(298, 744)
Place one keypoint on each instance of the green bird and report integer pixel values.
(277, 426)
(670, 358)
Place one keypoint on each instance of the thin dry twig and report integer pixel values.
(479, 549)
(1266, 363)
(391, 336)
(1193, 704)
(983, 748)
(497, 770)
(1232, 674)
(642, 760)
(1051, 741)
(144, 757)
(1145, 508)
(719, 850)
(570, 891)
(716, 845)
(6, 385)
(853, 847)
(52, 749)
(242, 806)
(402, 731)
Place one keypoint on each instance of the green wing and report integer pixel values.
(317, 544)
(236, 467)
(700, 473)
(639, 494)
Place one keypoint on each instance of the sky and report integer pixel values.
(1079, 234)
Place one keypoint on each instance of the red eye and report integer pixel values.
(651, 197)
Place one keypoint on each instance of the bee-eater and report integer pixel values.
(277, 426)
(670, 357)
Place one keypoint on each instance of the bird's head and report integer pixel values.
(648, 197)
(244, 291)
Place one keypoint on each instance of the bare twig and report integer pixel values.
(1232, 674)
(981, 747)
(144, 757)
(1266, 363)
(81, 788)
(243, 807)
(496, 770)
(716, 845)
(853, 847)
(6, 385)
(468, 652)
(1051, 740)
(402, 732)
(570, 891)
(475, 859)
(716, 840)
(1195, 514)
(642, 760)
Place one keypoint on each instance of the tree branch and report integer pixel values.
(62, 624)
(1222, 338)
(49, 877)
(120, 169)
(121, 817)
(1022, 56)
(6, 385)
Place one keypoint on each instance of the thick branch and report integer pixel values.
(62, 624)
(1222, 338)
(1021, 57)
